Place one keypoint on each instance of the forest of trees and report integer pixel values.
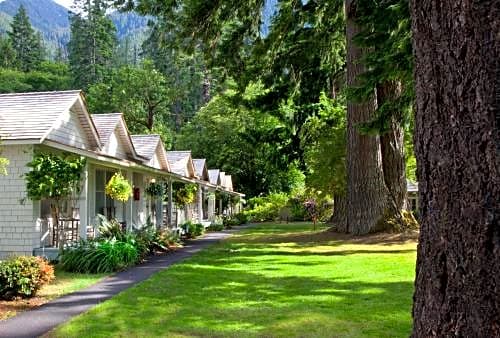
(328, 99)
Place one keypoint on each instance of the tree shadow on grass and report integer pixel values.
(214, 300)
(313, 238)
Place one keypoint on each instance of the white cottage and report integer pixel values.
(60, 122)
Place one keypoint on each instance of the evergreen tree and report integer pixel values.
(7, 54)
(93, 39)
(27, 44)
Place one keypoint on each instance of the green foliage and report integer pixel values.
(151, 240)
(155, 189)
(323, 139)
(23, 276)
(193, 230)
(93, 39)
(118, 188)
(49, 76)
(7, 53)
(266, 208)
(216, 227)
(386, 35)
(241, 218)
(185, 194)
(245, 142)
(54, 176)
(109, 229)
(100, 255)
(141, 93)
(234, 220)
(25, 42)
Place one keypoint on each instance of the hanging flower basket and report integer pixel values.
(118, 188)
(155, 189)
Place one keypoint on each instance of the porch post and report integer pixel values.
(221, 212)
(200, 203)
(129, 218)
(159, 211)
(211, 206)
(83, 204)
(170, 205)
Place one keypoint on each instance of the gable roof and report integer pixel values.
(107, 124)
(228, 183)
(181, 162)
(214, 176)
(149, 145)
(222, 178)
(32, 116)
(200, 168)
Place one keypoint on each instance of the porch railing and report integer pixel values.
(49, 234)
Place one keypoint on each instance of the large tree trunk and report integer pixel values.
(392, 148)
(366, 194)
(457, 287)
(339, 216)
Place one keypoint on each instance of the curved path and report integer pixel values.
(39, 321)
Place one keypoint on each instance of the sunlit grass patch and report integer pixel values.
(273, 280)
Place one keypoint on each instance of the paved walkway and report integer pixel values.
(39, 321)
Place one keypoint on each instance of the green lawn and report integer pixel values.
(269, 281)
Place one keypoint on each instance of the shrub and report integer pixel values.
(266, 208)
(229, 222)
(23, 276)
(101, 255)
(241, 218)
(216, 227)
(109, 229)
(193, 230)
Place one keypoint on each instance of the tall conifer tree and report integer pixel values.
(93, 39)
(27, 44)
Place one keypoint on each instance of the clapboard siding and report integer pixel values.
(69, 131)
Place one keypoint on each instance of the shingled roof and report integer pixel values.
(181, 162)
(214, 175)
(149, 145)
(32, 116)
(200, 168)
(146, 145)
(106, 124)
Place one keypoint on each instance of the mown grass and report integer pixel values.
(64, 283)
(269, 281)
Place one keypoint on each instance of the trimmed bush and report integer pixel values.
(23, 276)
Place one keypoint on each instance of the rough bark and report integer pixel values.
(457, 286)
(392, 148)
(366, 194)
(339, 216)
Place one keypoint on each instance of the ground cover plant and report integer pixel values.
(64, 283)
(270, 281)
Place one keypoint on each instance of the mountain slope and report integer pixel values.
(51, 19)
